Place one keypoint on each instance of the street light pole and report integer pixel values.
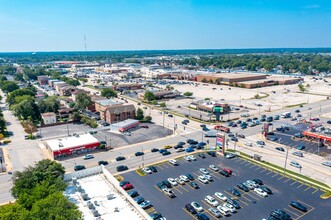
(286, 159)
(142, 158)
(67, 127)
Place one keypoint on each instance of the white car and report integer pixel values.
(180, 181)
(221, 196)
(202, 179)
(224, 210)
(192, 157)
(248, 185)
(184, 178)
(187, 158)
(204, 171)
(249, 144)
(147, 170)
(197, 206)
(295, 164)
(179, 150)
(327, 163)
(251, 182)
(173, 162)
(211, 201)
(172, 181)
(208, 177)
(230, 207)
(260, 192)
(213, 167)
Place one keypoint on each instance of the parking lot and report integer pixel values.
(311, 146)
(253, 206)
(138, 134)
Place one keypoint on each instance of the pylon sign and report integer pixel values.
(220, 142)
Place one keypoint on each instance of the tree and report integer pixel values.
(27, 109)
(82, 101)
(211, 81)
(149, 96)
(19, 99)
(257, 96)
(13, 212)
(154, 102)
(140, 114)
(76, 116)
(307, 86)
(217, 81)
(19, 92)
(163, 104)
(301, 88)
(108, 93)
(3, 78)
(204, 80)
(188, 94)
(55, 206)
(148, 119)
(8, 86)
(50, 104)
(19, 77)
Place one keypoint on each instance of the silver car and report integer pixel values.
(214, 212)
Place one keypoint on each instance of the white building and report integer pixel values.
(48, 118)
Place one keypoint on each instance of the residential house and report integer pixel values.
(49, 118)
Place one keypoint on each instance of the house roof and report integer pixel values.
(48, 114)
(117, 109)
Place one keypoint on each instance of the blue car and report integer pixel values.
(189, 149)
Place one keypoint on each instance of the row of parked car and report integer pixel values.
(282, 215)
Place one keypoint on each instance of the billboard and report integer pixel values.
(220, 142)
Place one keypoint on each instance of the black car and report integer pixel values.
(243, 187)
(153, 169)
(234, 192)
(234, 139)
(162, 150)
(201, 155)
(121, 168)
(234, 203)
(102, 162)
(161, 185)
(211, 153)
(280, 149)
(181, 143)
(139, 153)
(154, 150)
(79, 167)
(133, 193)
(297, 111)
(189, 176)
(166, 183)
(257, 181)
(190, 209)
(194, 185)
(299, 206)
(120, 158)
(178, 146)
(156, 216)
(202, 216)
(139, 200)
(280, 214)
(170, 116)
(122, 183)
(166, 153)
(266, 189)
(224, 173)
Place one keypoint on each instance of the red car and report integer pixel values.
(314, 119)
(227, 170)
(127, 186)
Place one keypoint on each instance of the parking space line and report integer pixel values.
(258, 168)
(315, 191)
(275, 175)
(189, 213)
(246, 198)
(177, 190)
(306, 204)
(247, 164)
(264, 170)
(281, 177)
(183, 188)
(270, 172)
(242, 162)
(307, 188)
(159, 166)
(273, 189)
(254, 196)
(195, 174)
(158, 189)
(252, 166)
(209, 206)
(288, 179)
(301, 184)
(243, 202)
(294, 182)
(212, 215)
(296, 214)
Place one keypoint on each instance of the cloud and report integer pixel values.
(312, 6)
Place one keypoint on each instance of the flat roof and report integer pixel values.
(107, 102)
(234, 75)
(70, 142)
(97, 188)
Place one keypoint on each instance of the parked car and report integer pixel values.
(214, 212)
(299, 206)
(190, 209)
(201, 155)
(173, 162)
(230, 155)
(139, 200)
(234, 192)
(266, 189)
(147, 170)
(197, 206)
(213, 167)
(301, 147)
(211, 201)
(153, 169)
(204, 171)
(260, 192)
(194, 185)
(280, 149)
(133, 193)
(243, 187)
(221, 196)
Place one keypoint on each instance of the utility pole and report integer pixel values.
(163, 118)
(142, 158)
(286, 159)
(67, 127)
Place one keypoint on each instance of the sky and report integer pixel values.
(60, 25)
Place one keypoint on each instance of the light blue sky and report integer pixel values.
(60, 25)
